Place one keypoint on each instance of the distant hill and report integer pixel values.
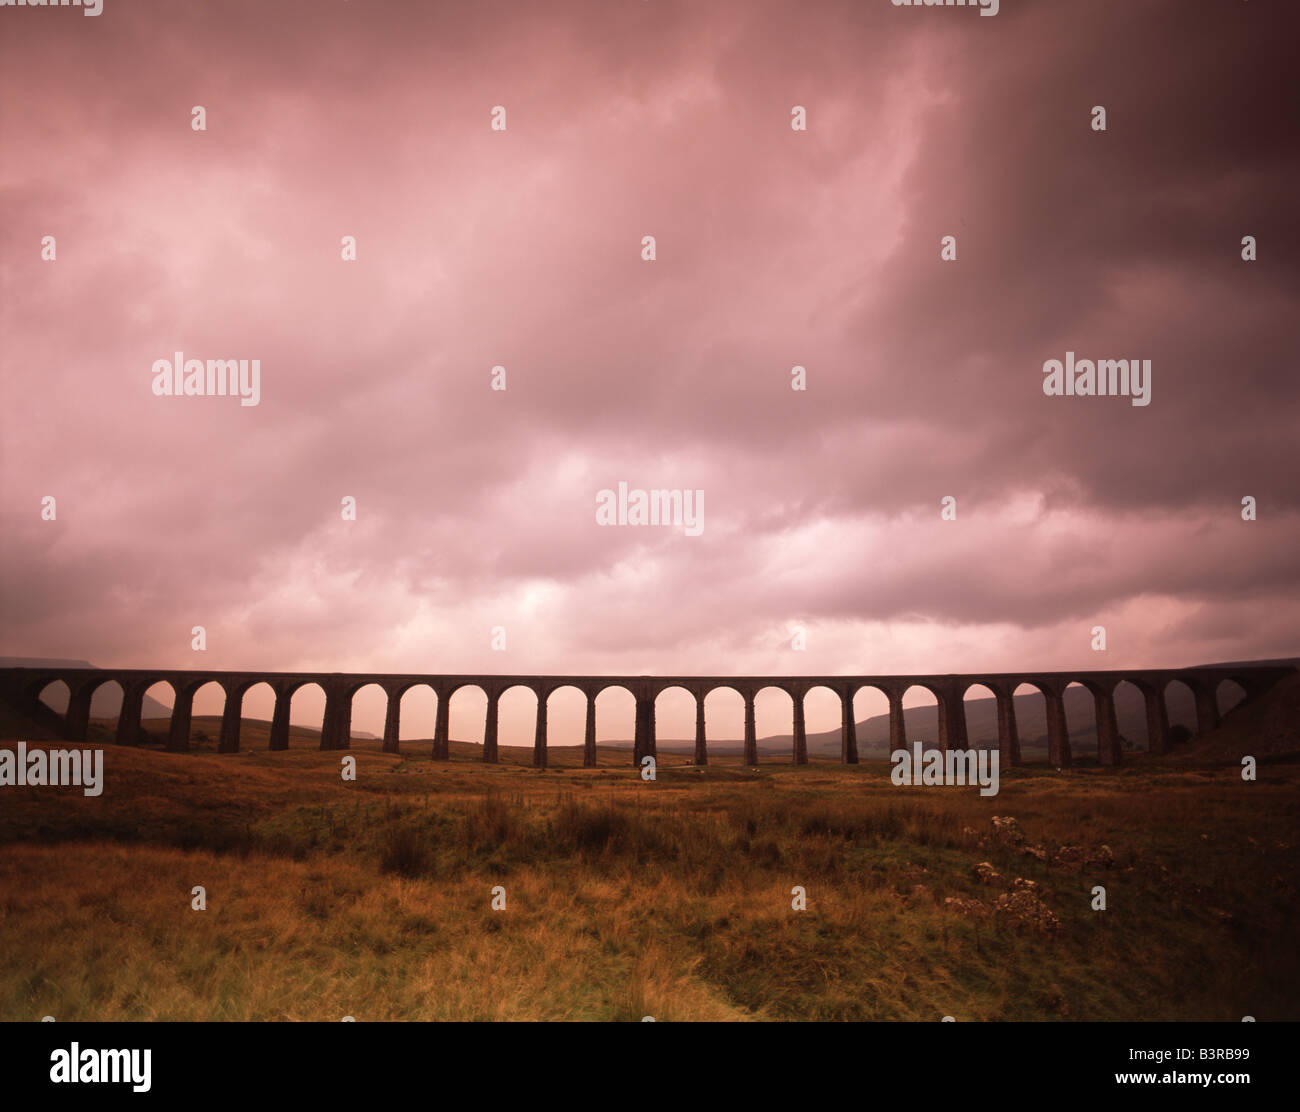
(982, 724)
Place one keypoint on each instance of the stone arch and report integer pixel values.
(980, 722)
(368, 709)
(871, 716)
(920, 722)
(306, 701)
(205, 701)
(157, 711)
(77, 699)
(104, 705)
(468, 706)
(568, 709)
(614, 706)
(724, 717)
(1031, 702)
(252, 703)
(774, 714)
(1077, 705)
(416, 707)
(1180, 706)
(823, 713)
(55, 693)
(522, 719)
(674, 715)
(1130, 697)
(1229, 693)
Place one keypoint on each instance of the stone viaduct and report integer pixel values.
(23, 687)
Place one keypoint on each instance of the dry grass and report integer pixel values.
(626, 898)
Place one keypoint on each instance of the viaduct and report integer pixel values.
(23, 687)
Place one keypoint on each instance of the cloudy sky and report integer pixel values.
(522, 248)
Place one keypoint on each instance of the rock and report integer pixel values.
(1023, 906)
(1005, 826)
(986, 874)
(969, 909)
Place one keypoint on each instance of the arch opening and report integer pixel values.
(369, 708)
(207, 707)
(306, 716)
(517, 724)
(1180, 705)
(1131, 717)
(674, 725)
(921, 716)
(256, 714)
(979, 707)
(156, 715)
(871, 719)
(773, 724)
(467, 708)
(417, 713)
(823, 715)
(1228, 695)
(566, 717)
(724, 723)
(616, 719)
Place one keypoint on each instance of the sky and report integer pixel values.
(476, 545)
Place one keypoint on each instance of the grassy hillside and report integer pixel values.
(628, 898)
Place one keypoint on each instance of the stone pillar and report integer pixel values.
(1108, 747)
(800, 731)
(897, 723)
(643, 739)
(701, 742)
(230, 721)
(490, 729)
(77, 719)
(1008, 734)
(336, 729)
(1157, 720)
(441, 726)
(128, 718)
(751, 736)
(343, 730)
(1207, 708)
(393, 722)
(848, 729)
(589, 735)
(280, 720)
(178, 737)
(1058, 733)
(952, 720)
(539, 736)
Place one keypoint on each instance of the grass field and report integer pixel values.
(625, 898)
